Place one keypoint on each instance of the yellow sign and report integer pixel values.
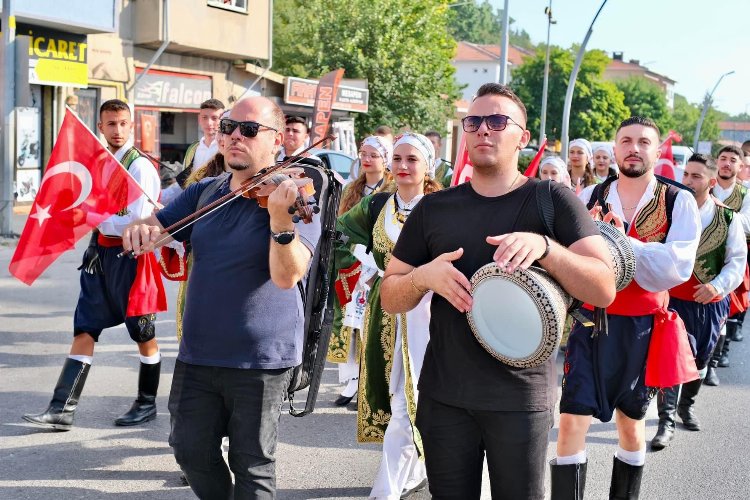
(56, 58)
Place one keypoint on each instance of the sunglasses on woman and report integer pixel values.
(247, 129)
(497, 123)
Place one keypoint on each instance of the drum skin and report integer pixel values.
(517, 317)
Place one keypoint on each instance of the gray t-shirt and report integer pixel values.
(235, 316)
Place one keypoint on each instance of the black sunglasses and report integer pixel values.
(494, 122)
(247, 129)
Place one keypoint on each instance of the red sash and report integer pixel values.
(738, 299)
(147, 294)
(686, 291)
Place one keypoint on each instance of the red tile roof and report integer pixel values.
(734, 126)
(466, 51)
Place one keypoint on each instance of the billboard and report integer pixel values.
(302, 92)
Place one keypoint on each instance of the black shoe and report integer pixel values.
(144, 407)
(61, 410)
(686, 406)
(568, 481)
(626, 481)
(422, 485)
(343, 400)
(663, 436)
(712, 378)
(735, 332)
(723, 360)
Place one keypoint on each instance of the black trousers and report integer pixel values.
(207, 403)
(456, 439)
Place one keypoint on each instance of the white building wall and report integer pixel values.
(475, 73)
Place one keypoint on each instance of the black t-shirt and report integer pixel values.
(457, 370)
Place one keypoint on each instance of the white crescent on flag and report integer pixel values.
(76, 169)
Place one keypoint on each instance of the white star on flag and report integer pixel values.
(41, 214)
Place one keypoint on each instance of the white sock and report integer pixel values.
(635, 458)
(151, 360)
(351, 388)
(82, 358)
(578, 458)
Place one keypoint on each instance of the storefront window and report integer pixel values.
(87, 107)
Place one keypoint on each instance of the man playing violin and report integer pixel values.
(243, 319)
(471, 404)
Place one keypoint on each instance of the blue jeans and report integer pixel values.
(207, 403)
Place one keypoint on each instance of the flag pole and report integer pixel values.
(148, 198)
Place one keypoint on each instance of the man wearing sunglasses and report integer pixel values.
(470, 403)
(242, 330)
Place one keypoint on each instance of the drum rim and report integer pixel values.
(544, 350)
(622, 254)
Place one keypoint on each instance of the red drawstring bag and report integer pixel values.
(670, 360)
(738, 299)
(147, 294)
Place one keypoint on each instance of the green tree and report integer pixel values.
(598, 106)
(478, 23)
(645, 98)
(402, 49)
(685, 117)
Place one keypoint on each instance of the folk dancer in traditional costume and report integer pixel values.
(605, 374)
(352, 283)
(579, 164)
(702, 302)
(106, 283)
(471, 404)
(393, 345)
(734, 195)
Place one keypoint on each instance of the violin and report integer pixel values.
(303, 209)
(259, 186)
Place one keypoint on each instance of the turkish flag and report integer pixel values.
(533, 167)
(665, 165)
(82, 186)
(463, 170)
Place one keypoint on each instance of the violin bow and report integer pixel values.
(262, 175)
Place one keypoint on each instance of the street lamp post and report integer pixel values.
(572, 84)
(504, 46)
(543, 124)
(706, 104)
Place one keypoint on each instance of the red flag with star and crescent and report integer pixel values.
(82, 186)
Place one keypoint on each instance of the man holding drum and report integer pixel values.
(605, 374)
(471, 403)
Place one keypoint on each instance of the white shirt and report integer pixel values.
(735, 257)
(744, 213)
(283, 155)
(203, 153)
(145, 174)
(661, 266)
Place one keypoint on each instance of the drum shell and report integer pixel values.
(621, 251)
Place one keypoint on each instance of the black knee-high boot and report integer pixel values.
(712, 377)
(626, 481)
(61, 410)
(568, 481)
(666, 401)
(686, 405)
(144, 407)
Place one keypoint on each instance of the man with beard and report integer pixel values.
(106, 284)
(605, 374)
(730, 191)
(243, 320)
(470, 403)
(702, 302)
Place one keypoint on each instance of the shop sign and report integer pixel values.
(301, 92)
(56, 58)
(172, 90)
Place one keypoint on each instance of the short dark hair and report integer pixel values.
(639, 120)
(383, 130)
(113, 105)
(706, 160)
(731, 149)
(296, 119)
(433, 133)
(212, 104)
(504, 91)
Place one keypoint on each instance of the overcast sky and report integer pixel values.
(690, 41)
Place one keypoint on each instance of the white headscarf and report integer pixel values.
(583, 144)
(382, 146)
(607, 148)
(560, 165)
(423, 145)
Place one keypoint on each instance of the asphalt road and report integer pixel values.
(318, 456)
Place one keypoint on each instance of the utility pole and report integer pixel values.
(572, 83)
(706, 104)
(504, 46)
(7, 105)
(543, 124)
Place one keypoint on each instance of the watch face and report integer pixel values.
(284, 238)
